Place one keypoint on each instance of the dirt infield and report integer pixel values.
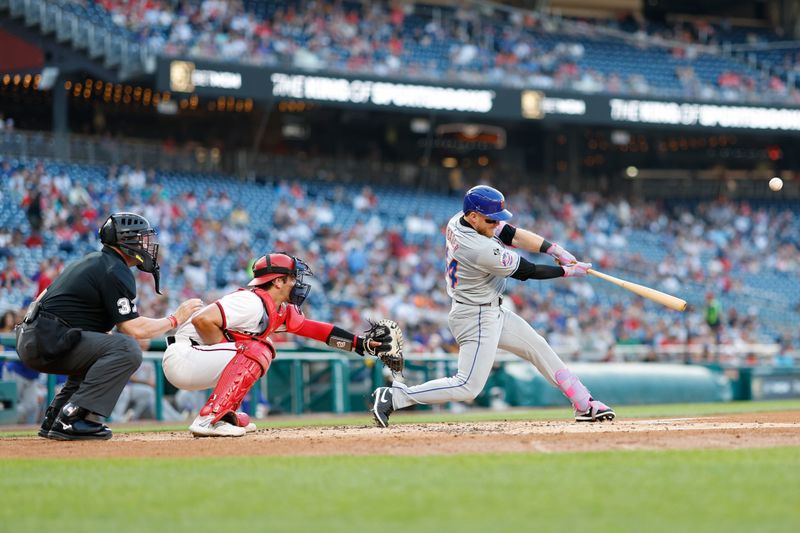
(759, 430)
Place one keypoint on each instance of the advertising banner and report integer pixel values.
(266, 84)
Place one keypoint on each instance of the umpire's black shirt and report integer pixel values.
(94, 293)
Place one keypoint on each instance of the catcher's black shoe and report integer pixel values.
(382, 407)
(75, 423)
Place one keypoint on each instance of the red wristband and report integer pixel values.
(173, 321)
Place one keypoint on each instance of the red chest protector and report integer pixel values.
(286, 315)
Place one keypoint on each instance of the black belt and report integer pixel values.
(490, 304)
(171, 340)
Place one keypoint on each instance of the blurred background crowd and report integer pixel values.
(473, 42)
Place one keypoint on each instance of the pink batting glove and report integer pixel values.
(561, 256)
(576, 270)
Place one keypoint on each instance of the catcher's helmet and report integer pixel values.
(272, 266)
(487, 201)
(133, 234)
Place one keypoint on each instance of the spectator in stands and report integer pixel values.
(784, 356)
(713, 314)
(48, 270)
(11, 277)
(33, 207)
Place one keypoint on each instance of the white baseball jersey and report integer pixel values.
(198, 367)
(241, 311)
(477, 266)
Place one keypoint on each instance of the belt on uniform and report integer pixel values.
(494, 303)
(171, 340)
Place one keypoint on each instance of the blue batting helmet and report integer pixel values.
(487, 201)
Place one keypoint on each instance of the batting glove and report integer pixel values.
(561, 256)
(576, 270)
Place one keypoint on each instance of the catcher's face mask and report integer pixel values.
(300, 290)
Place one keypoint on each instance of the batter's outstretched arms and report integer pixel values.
(569, 266)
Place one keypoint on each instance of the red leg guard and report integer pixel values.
(251, 361)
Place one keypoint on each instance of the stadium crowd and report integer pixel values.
(463, 44)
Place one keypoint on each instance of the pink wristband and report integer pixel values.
(173, 321)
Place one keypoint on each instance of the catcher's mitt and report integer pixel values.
(390, 350)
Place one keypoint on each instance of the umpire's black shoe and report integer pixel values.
(74, 423)
(49, 417)
(382, 407)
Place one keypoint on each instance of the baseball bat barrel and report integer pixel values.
(662, 298)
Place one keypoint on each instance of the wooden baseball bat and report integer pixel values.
(663, 298)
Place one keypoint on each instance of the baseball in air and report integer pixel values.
(776, 184)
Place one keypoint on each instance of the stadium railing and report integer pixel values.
(93, 150)
(83, 27)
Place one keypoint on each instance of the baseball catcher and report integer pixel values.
(226, 345)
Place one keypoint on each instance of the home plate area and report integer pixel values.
(754, 430)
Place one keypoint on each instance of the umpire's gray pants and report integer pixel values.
(98, 367)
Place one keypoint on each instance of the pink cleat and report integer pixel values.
(597, 412)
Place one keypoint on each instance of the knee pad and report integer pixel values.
(250, 363)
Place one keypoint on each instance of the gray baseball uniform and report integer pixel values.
(477, 268)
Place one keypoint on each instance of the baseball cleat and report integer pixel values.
(202, 427)
(382, 407)
(597, 412)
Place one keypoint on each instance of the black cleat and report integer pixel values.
(74, 423)
(382, 407)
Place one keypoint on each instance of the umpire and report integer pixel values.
(66, 330)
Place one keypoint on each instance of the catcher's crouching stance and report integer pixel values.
(226, 345)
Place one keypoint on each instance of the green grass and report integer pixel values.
(720, 490)
(420, 417)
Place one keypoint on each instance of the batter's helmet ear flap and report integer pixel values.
(108, 232)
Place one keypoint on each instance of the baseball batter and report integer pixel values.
(226, 345)
(478, 263)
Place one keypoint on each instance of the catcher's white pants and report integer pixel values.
(480, 331)
(196, 367)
